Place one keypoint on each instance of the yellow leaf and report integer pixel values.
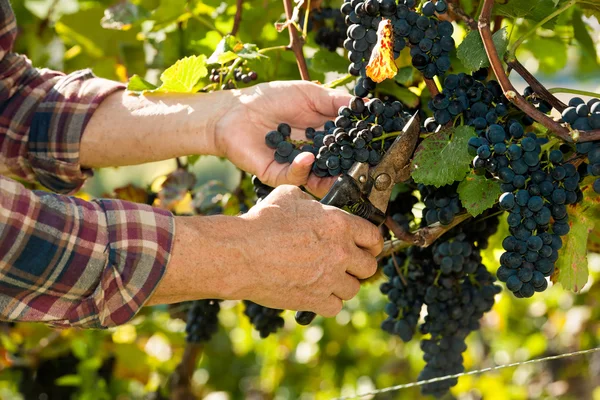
(382, 65)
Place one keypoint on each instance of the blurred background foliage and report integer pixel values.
(332, 357)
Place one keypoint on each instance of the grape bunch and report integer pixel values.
(217, 75)
(441, 204)
(202, 320)
(469, 100)
(537, 186)
(331, 31)
(264, 319)
(582, 116)
(362, 132)
(430, 40)
(405, 289)
(450, 280)
(585, 117)
(453, 311)
(400, 208)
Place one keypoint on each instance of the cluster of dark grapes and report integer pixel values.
(537, 183)
(441, 204)
(400, 208)
(430, 40)
(469, 100)
(202, 321)
(331, 28)
(585, 117)
(582, 116)
(218, 74)
(362, 132)
(264, 319)
(456, 288)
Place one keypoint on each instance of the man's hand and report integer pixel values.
(289, 252)
(240, 131)
(308, 256)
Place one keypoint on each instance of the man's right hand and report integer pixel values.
(303, 255)
(289, 252)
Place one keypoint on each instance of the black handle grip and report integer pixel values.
(344, 192)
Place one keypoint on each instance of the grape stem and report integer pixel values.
(341, 81)
(432, 87)
(181, 378)
(423, 237)
(295, 42)
(237, 19)
(574, 91)
(539, 89)
(509, 90)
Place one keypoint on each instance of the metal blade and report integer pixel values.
(394, 166)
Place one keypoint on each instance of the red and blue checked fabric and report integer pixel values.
(65, 261)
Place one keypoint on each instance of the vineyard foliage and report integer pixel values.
(157, 46)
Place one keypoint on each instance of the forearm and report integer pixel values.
(128, 129)
(208, 261)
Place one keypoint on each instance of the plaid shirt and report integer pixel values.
(65, 261)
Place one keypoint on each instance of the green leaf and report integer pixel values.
(472, 53)
(138, 84)
(591, 9)
(229, 44)
(535, 10)
(391, 88)
(478, 193)
(183, 76)
(226, 57)
(443, 157)
(572, 264)
(193, 159)
(250, 52)
(551, 53)
(328, 61)
(588, 62)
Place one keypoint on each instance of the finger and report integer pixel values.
(331, 307)
(364, 265)
(348, 287)
(328, 101)
(298, 171)
(366, 235)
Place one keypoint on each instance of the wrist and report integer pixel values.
(208, 261)
(208, 127)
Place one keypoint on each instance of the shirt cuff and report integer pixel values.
(58, 125)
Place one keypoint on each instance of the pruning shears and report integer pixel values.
(366, 190)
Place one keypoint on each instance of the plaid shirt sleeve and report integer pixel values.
(43, 114)
(65, 261)
(70, 262)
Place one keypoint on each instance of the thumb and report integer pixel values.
(297, 173)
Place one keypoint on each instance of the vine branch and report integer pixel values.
(423, 237)
(509, 90)
(432, 87)
(237, 19)
(511, 93)
(182, 376)
(513, 63)
(295, 42)
(536, 85)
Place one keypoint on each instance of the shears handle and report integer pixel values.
(345, 192)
